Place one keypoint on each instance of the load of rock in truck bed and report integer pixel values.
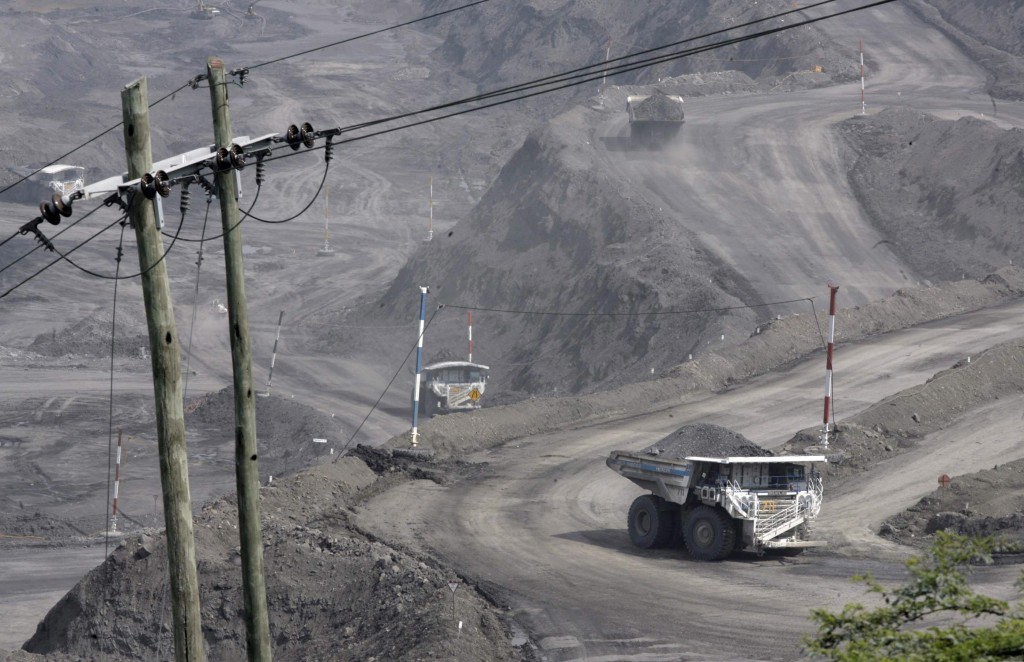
(704, 440)
(658, 107)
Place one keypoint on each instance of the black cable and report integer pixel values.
(618, 69)
(603, 65)
(87, 142)
(98, 233)
(390, 382)
(16, 233)
(241, 219)
(136, 275)
(195, 300)
(110, 413)
(594, 77)
(291, 218)
(368, 34)
(194, 82)
(633, 314)
(55, 235)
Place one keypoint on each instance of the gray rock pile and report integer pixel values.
(659, 107)
(704, 439)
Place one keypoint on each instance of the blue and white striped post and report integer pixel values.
(419, 366)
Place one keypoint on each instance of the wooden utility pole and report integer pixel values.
(167, 387)
(247, 477)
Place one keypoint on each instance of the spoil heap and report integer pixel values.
(659, 108)
(704, 439)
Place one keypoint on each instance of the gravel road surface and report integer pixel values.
(543, 523)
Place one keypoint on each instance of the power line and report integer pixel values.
(193, 82)
(386, 388)
(580, 79)
(603, 65)
(87, 142)
(295, 216)
(561, 313)
(98, 233)
(362, 36)
(575, 78)
(145, 271)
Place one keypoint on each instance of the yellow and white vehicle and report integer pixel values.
(452, 386)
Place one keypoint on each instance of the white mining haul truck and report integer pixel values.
(451, 386)
(721, 505)
(654, 119)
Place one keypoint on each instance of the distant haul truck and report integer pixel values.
(719, 505)
(452, 386)
(654, 119)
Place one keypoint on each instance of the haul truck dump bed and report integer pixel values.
(720, 505)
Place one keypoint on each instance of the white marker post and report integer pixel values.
(454, 586)
(430, 222)
(419, 368)
(863, 107)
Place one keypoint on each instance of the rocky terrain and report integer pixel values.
(312, 542)
(953, 181)
(986, 30)
(606, 282)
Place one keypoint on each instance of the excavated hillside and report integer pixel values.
(551, 218)
(987, 30)
(509, 45)
(945, 194)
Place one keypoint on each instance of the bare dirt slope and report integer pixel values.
(954, 182)
(753, 202)
(333, 593)
(987, 31)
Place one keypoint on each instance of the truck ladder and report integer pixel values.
(779, 522)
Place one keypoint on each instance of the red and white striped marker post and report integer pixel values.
(117, 482)
(470, 358)
(863, 107)
(825, 429)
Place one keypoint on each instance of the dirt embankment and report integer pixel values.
(551, 217)
(326, 582)
(770, 347)
(989, 32)
(507, 44)
(955, 182)
(984, 503)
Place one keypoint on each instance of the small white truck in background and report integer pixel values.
(720, 505)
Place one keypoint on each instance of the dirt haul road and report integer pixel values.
(542, 526)
(761, 178)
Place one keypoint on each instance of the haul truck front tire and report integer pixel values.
(652, 522)
(710, 534)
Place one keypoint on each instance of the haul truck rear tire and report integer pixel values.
(652, 522)
(710, 534)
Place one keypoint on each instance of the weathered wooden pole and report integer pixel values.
(247, 477)
(167, 386)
